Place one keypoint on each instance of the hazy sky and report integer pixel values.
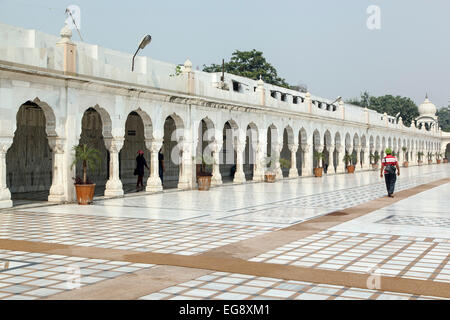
(324, 44)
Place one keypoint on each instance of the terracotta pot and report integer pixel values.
(430, 161)
(204, 183)
(445, 160)
(438, 161)
(374, 166)
(419, 163)
(85, 193)
(270, 177)
(318, 172)
(350, 169)
(406, 164)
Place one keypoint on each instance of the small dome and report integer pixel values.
(427, 108)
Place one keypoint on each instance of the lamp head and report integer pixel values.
(145, 41)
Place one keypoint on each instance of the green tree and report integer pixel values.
(249, 64)
(391, 105)
(444, 118)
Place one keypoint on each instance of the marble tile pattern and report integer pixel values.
(183, 237)
(33, 276)
(388, 255)
(224, 286)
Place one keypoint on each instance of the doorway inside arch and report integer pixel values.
(92, 136)
(29, 159)
(133, 143)
(171, 155)
(228, 154)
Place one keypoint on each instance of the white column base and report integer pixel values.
(340, 169)
(184, 185)
(153, 185)
(259, 177)
(293, 173)
(6, 204)
(279, 174)
(113, 189)
(239, 177)
(216, 180)
(56, 198)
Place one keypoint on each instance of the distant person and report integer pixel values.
(161, 165)
(139, 171)
(389, 166)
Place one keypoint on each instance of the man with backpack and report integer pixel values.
(389, 165)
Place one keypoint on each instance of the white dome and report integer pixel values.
(427, 108)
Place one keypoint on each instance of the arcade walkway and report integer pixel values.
(337, 237)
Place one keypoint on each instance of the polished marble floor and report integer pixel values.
(407, 239)
(231, 286)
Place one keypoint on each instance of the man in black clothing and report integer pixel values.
(139, 171)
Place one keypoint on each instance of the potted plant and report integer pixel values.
(90, 158)
(438, 157)
(285, 163)
(349, 159)
(445, 160)
(318, 171)
(430, 157)
(405, 162)
(375, 158)
(205, 174)
(270, 173)
(419, 158)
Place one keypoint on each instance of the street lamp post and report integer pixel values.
(145, 41)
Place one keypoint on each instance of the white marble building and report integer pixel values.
(62, 93)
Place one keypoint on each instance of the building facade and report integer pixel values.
(56, 94)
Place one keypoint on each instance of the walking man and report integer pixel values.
(389, 165)
(139, 171)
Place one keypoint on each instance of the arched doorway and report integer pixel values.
(172, 153)
(29, 159)
(134, 141)
(228, 153)
(250, 155)
(92, 136)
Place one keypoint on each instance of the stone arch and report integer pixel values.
(138, 131)
(288, 140)
(250, 154)
(172, 150)
(327, 142)
(29, 169)
(96, 126)
(204, 148)
(302, 142)
(228, 153)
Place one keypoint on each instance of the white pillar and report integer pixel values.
(358, 157)
(320, 148)
(277, 150)
(57, 189)
(5, 194)
(154, 181)
(366, 160)
(114, 185)
(307, 163)
(330, 149)
(239, 175)
(340, 160)
(258, 165)
(293, 172)
(216, 176)
(185, 181)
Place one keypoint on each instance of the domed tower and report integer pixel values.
(427, 117)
